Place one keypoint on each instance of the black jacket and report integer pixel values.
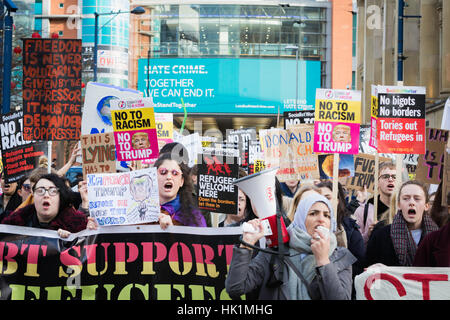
(380, 248)
(355, 244)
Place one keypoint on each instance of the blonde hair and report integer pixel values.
(297, 197)
(43, 162)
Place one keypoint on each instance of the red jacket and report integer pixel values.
(69, 219)
(434, 250)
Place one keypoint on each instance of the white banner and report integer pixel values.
(403, 283)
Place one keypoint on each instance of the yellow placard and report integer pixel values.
(338, 111)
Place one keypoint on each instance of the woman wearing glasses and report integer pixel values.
(52, 208)
(175, 193)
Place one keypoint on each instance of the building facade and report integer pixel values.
(278, 53)
(420, 56)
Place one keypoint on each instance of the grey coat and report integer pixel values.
(332, 281)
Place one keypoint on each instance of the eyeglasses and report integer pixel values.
(164, 171)
(27, 187)
(387, 176)
(52, 191)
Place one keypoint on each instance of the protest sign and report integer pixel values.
(116, 263)
(135, 134)
(346, 166)
(52, 89)
(364, 174)
(446, 176)
(215, 189)
(401, 120)
(298, 117)
(242, 137)
(192, 143)
(124, 198)
(164, 128)
(430, 167)
(19, 156)
(291, 151)
(255, 157)
(97, 106)
(99, 153)
(337, 120)
(373, 116)
(403, 283)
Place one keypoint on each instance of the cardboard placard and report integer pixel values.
(124, 198)
(99, 153)
(292, 151)
(430, 166)
(364, 174)
(52, 89)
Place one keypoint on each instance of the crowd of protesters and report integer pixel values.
(406, 230)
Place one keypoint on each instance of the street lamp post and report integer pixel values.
(137, 10)
(7, 53)
(296, 73)
(296, 48)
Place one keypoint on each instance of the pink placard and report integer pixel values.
(336, 137)
(136, 145)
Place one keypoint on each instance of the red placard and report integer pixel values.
(406, 136)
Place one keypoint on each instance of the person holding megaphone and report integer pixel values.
(314, 268)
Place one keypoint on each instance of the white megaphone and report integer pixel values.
(260, 188)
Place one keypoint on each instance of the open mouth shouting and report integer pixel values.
(168, 186)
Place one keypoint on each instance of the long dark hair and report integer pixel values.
(342, 211)
(187, 201)
(65, 196)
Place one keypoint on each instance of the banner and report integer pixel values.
(228, 85)
(99, 153)
(337, 120)
(116, 263)
(215, 189)
(403, 283)
(52, 89)
(19, 156)
(401, 120)
(430, 166)
(124, 198)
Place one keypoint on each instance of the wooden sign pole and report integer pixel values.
(375, 189)
(334, 201)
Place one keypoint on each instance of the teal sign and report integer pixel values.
(221, 85)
